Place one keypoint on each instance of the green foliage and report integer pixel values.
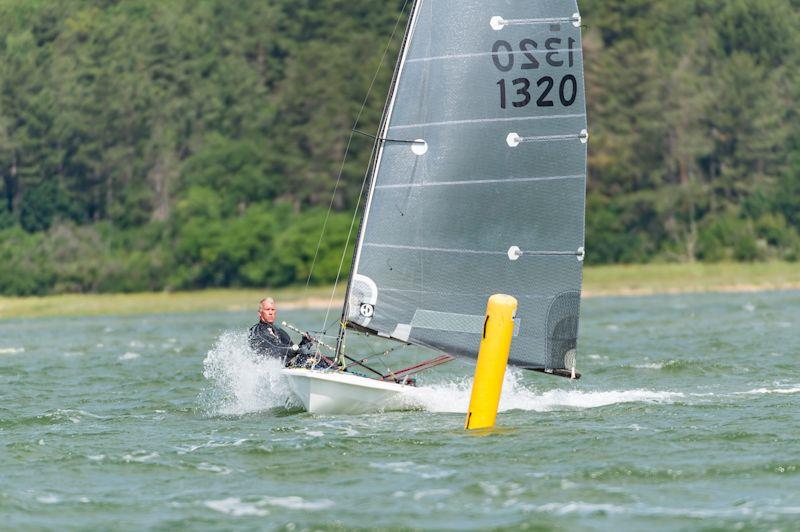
(295, 249)
(148, 145)
(39, 206)
(728, 236)
(26, 269)
(215, 251)
(692, 106)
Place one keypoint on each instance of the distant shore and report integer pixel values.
(599, 281)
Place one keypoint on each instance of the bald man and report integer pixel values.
(269, 340)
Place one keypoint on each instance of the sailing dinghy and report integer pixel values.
(476, 187)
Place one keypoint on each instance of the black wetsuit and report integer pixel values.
(269, 340)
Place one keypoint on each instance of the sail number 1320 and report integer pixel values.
(546, 90)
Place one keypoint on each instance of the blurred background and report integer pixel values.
(151, 145)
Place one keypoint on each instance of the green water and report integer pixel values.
(688, 418)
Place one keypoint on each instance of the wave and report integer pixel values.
(240, 382)
(676, 366)
(235, 507)
(747, 511)
(770, 391)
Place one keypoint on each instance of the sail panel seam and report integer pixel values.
(483, 181)
(489, 54)
(467, 251)
(487, 120)
(463, 294)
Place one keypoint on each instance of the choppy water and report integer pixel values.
(688, 418)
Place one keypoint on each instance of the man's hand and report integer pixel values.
(306, 339)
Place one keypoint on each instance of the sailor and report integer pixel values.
(269, 340)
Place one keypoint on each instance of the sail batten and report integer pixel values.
(484, 121)
(491, 198)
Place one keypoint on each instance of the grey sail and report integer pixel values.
(491, 197)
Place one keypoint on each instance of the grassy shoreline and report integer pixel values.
(617, 280)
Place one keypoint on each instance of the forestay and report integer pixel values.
(491, 197)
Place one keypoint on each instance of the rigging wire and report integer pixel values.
(384, 139)
(344, 161)
(366, 174)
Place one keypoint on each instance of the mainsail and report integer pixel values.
(490, 198)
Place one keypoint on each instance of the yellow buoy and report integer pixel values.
(492, 360)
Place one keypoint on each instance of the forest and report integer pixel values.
(151, 145)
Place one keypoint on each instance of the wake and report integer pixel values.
(453, 397)
(240, 382)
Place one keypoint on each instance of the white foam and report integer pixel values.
(657, 365)
(48, 499)
(11, 350)
(431, 494)
(235, 507)
(241, 382)
(140, 456)
(210, 445)
(204, 466)
(580, 508)
(129, 356)
(769, 391)
(298, 503)
(75, 416)
(425, 471)
(454, 397)
(587, 508)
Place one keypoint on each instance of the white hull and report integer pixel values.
(325, 392)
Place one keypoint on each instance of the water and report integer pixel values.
(687, 419)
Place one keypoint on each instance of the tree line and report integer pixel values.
(149, 145)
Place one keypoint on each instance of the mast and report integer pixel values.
(377, 151)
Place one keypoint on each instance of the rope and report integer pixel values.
(383, 139)
(346, 153)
